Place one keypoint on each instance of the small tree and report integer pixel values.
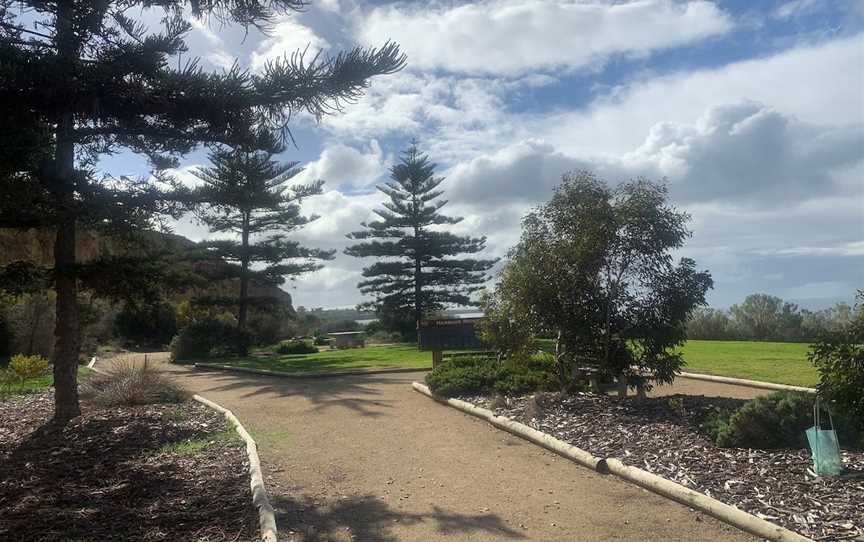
(92, 80)
(765, 317)
(504, 328)
(246, 194)
(417, 271)
(839, 357)
(593, 268)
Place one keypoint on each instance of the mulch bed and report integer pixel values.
(663, 437)
(105, 475)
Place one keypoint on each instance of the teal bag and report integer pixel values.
(824, 446)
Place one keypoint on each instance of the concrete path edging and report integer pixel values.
(656, 484)
(266, 515)
(748, 383)
(329, 374)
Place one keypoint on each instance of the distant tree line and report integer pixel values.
(763, 317)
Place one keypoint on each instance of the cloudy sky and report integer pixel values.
(753, 111)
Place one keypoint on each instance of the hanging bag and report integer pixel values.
(823, 445)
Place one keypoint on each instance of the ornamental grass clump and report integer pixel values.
(128, 384)
(27, 367)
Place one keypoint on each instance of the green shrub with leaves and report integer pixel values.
(128, 383)
(774, 421)
(29, 366)
(201, 340)
(839, 357)
(482, 375)
(146, 323)
(295, 347)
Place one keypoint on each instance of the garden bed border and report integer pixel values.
(745, 382)
(322, 374)
(266, 515)
(647, 480)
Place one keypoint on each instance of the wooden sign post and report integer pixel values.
(447, 334)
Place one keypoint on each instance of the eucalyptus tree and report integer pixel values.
(81, 79)
(247, 194)
(419, 267)
(594, 269)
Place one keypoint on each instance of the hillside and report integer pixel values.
(36, 246)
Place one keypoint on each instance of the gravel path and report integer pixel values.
(366, 458)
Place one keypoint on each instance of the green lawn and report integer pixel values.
(10, 387)
(371, 357)
(784, 363)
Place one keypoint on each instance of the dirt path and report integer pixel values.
(368, 459)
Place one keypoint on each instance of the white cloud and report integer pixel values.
(820, 84)
(342, 166)
(286, 37)
(795, 8)
(747, 151)
(518, 36)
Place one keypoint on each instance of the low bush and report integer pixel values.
(201, 340)
(28, 366)
(774, 421)
(295, 347)
(483, 375)
(839, 357)
(146, 323)
(130, 384)
(383, 337)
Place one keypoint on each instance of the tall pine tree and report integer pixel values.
(418, 270)
(80, 79)
(247, 194)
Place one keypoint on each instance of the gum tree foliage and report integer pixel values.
(419, 267)
(503, 327)
(247, 194)
(839, 358)
(764, 317)
(593, 268)
(80, 79)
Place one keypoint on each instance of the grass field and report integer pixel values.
(784, 363)
(10, 387)
(372, 357)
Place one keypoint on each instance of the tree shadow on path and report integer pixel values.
(370, 519)
(357, 393)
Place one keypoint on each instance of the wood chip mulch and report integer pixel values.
(661, 435)
(107, 476)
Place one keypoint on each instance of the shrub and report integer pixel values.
(383, 337)
(129, 384)
(482, 375)
(295, 347)
(28, 366)
(150, 324)
(778, 420)
(839, 357)
(201, 340)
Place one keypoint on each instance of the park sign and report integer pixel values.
(448, 334)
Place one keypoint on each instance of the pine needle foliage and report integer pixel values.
(81, 79)
(420, 266)
(246, 194)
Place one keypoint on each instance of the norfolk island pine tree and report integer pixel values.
(246, 193)
(417, 271)
(92, 81)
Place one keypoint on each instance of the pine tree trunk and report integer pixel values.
(66, 332)
(418, 292)
(244, 276)
(418, 286)
(67, 346)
